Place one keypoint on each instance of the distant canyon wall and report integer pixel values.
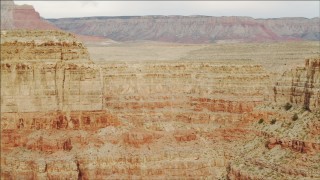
(22, 17)
(193, 29)
(182, 29)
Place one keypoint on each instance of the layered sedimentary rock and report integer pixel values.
(288, 140)
(26, 17)
(193, 92)
(193, 29)
(283, 147)
(55, 101)
(64, 117)
(22, 17)
(300, 85)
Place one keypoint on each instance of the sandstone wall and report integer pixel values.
(38, 77)
(22, 17)
(194, 92)
(65, 117)
(67, 82)
(300, 86)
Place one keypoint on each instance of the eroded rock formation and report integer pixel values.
(301, 85)
(22, 17)
(64, 117)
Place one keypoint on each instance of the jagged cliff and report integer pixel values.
(193, 29)
(287, 145)
(64, 117)
(301, 85)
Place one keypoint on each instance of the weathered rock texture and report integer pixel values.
(301, 85)
(193, 29)
(63, 117)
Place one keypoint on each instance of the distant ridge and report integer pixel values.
(26, 17)
(193, 29)
(173, 28)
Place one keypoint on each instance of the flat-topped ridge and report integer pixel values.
(39, 45)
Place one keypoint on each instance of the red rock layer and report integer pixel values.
(25, 17)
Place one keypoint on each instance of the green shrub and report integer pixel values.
(287, 106)
(295, 117)
(273, 121)
(260, 121)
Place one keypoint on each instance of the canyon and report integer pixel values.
(179, 29)
(65, 116)
(150, 105)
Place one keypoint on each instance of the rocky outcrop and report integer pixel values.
(22, 17)
(192, 29)
(297, 145)
(26, 46)
(300, 86)
(27, 18)
(34, 86)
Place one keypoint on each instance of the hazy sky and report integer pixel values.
(255, 9)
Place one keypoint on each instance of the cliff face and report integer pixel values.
(22, 17)
(287, 139)
(57, 105)
(64, 117)
(42, 86)
(27, 18)
(193, 29)
(300, 86)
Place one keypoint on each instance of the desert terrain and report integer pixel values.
(77, 106)
(96, 113)
(272, 55)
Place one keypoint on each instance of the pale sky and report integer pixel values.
(255, 9)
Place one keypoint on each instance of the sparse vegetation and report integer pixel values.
(287, 106)
(273, 121)
(261, 121)
(306, 108)
(295, 117)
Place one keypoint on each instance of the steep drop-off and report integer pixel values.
(300, 86)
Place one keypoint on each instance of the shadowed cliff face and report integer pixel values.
(301, 86)
(193, 29)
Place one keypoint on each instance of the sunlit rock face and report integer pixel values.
(63, 116)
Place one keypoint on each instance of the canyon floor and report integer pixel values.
(151, 110)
